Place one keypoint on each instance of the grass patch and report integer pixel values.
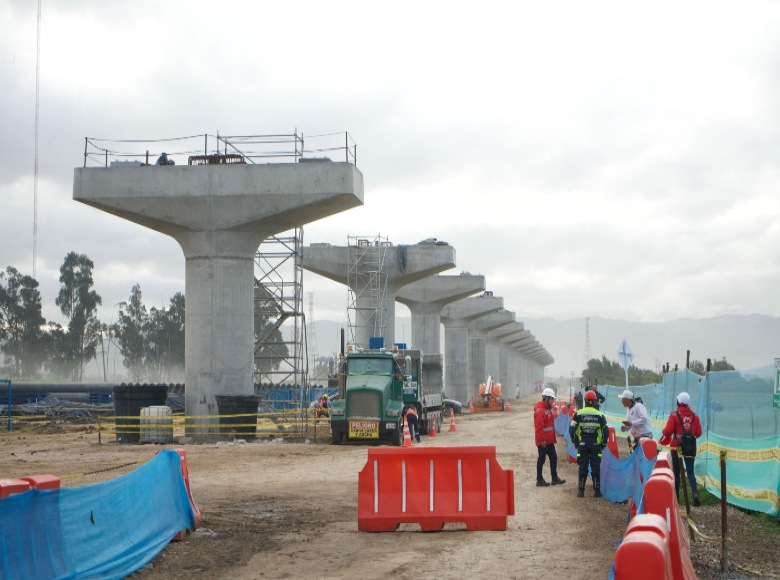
(766, 522)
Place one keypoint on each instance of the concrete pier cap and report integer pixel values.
(456, 318)
(427, 298)
(405, 264)
(483, 328)
(219, 215)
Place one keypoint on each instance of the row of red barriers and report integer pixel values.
(656, 544)
(28, 482)
(434, 485)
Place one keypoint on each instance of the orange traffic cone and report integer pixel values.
(407, 437)
(433, 427)
(452, 419)
(508, 407)
(471, 407)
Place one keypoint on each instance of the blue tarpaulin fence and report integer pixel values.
(106, 530)
(737, 417)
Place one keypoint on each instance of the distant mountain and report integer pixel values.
(746, 341)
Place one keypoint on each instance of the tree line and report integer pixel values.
(607, 372)
(151, 343)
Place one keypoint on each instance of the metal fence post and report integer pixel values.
(9, 403)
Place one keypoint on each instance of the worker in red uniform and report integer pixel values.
(410, 414)
(545, 438)
(682, 421)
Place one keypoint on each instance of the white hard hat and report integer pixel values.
(626, 395)
(684, 399)
(548, 392)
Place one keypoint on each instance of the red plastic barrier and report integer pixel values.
(612, 444)
(434, 485)
(564, 408)
(11, 486)
(650, 447)
(185, 473)
(661, 499)
(644, 552)
(663, 460)
(43, 481)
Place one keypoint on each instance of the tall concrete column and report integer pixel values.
(503, 336)
(496, 341)
(479, 329)
(515, 360)
(219, 215)
(403, 265)
(526, 382)
(425, 300)
(456, 318)
(536, 371)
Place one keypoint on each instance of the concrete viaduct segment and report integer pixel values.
(484, 353)
(456, 318)
(425, 300)
(534, 357)
(404, 265)
(507, 368)
(219, 215)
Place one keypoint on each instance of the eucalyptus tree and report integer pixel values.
(78, 302)
(22, 337)
(129, 333)
(164, 332)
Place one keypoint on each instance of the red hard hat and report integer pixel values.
(590, 396)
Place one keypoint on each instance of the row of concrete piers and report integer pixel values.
(481, 337)
(219, 214)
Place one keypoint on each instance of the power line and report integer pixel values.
(37, 123)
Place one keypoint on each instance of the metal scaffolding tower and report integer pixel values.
(280, 330)
(367, 286)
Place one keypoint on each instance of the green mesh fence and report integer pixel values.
(737, 416)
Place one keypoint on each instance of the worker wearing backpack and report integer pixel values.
(681, 431)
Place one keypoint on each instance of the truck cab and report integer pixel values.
(374, 387)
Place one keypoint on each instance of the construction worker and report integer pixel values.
(680, 422)
(578, 398)
(323, 406)
(637, 419)
(589, 433)
(545, 438)
(594, 388)
(410, 414)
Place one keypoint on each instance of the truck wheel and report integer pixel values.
(396, 438)
(337, 437)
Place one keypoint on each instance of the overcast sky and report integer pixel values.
(613, 159)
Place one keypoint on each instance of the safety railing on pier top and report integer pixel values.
(206, 149)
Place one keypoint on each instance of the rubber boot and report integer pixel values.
(581, 487)
(597, 487)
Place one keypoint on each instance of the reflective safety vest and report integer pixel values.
(411, 410)
(589, 425)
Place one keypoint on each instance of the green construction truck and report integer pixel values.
(374, 386)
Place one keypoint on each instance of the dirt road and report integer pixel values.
(278, 510)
